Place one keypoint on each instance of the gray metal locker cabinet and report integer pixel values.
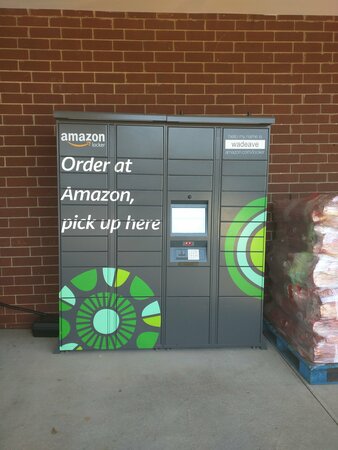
(161, 230)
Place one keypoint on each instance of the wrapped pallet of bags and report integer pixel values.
(317, 342)
(303, 268)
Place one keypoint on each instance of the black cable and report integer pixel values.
(21, 308)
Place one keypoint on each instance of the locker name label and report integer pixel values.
(254, 144)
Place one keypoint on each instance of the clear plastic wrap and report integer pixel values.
(303, 267)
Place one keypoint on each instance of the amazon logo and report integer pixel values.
(80, 140)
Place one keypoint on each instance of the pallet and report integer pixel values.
(312, 373)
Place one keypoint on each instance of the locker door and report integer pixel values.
(139, 238)
(189, 216)
(242, 236)
(84, 297)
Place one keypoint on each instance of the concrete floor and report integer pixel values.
(158, 400)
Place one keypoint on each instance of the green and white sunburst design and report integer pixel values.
(245, 248)
(105, 321)
(94, 316)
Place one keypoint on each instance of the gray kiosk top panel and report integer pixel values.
(132, 118)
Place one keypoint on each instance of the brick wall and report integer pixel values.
(283, 66)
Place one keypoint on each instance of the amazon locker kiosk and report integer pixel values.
(162, 230)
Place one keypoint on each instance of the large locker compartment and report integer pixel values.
(161, 230)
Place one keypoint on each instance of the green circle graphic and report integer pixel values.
(105, 321)
(99, 318)
(245, 248)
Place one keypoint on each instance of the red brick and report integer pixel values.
(189, 24)
(159, 88)
(51, 260)
(156, 24)
(45, 55)
(327, 187)
(200, 78)
(214, 88)
(32, 21)
(292, 36)
(41, 251)
(70, 55)
(40, 66)
(259, 57)
(261, 36)
(77, 77)
(97, 45)
(30, 300)
(319, 37)
(331, 26)
(285, 139)
(314, 177)
(285, 158)
(160, 109)
(277, 89)
(8, 42)
(308, 25)
(304, 148)
(317, 98)
(221, 25)
(43, 231)
(15, 76)
(97, 23)
(288, 57)
(284, 178)
(48, 98)
(8, 21)
(332, 177)
(230, 99)
(248, 68)
(254, 47)
(220, 46)
(146, 35)
(137, 56)
(13, 31)
(45, 32)
(158, 67)
(9, 65)
(210, 67)
(280, 25)
(16, 271)
(288, 99)
(170, 77)
(189, 109)
(232, 36)
(98, 66)
(62, 88)
(110, 98)
(75, 33)
(8, 290)
(10, 87)
(196, 99)
(64, 22)
(111, 34)
(207, 57)
(13, 54)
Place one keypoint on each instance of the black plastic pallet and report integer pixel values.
(312, 373)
